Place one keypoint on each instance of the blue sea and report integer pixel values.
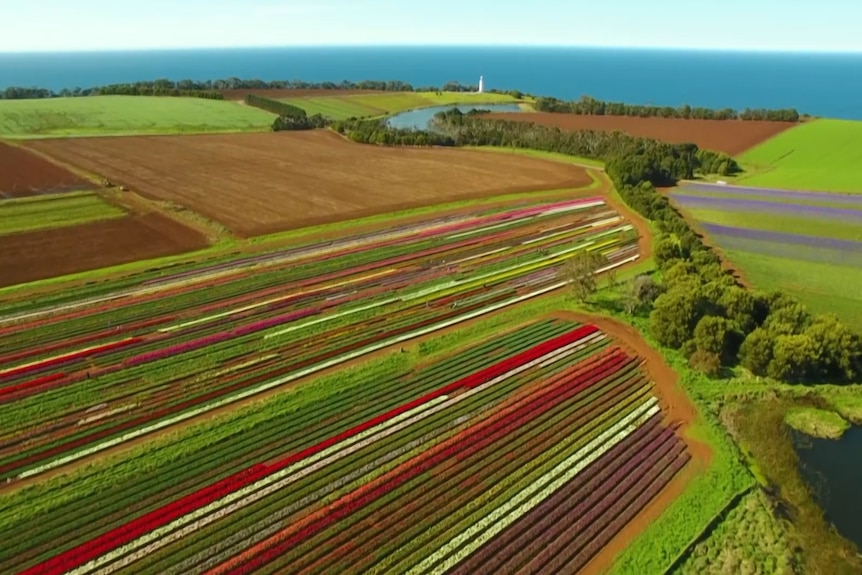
(818, 84)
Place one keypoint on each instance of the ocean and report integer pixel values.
(818, 84)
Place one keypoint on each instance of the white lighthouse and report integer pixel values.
(481, 84)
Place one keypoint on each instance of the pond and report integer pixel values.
(833, 469)
(419, 119)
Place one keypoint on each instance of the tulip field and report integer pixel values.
(526, 453)
(468, 459)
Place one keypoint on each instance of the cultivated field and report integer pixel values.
(124, 115)
(278, 94)
(55, 251)
(822, 155)
(806, 243)
(342, 106)
(474, 460)
(732, 137)
(54, 211)
(23, 173)
(260, 183)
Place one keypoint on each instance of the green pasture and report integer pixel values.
(822, 155)
(824, 288)
(372, 105)
(126, 115)
(54, 211)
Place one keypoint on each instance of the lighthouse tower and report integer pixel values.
(481, 84)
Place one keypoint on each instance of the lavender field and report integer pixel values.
(807, 243)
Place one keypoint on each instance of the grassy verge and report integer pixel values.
(816, 422)
(588, 162)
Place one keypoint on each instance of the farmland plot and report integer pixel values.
(293, 180)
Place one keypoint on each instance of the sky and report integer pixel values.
(774, 25)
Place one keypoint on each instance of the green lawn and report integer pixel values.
(824, 288)
(54, 211)
(822, 155)
(372, 105)
(126, 115)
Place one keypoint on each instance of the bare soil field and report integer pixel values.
(256, 184)
(54, 252)
(275, 94)
(730, 136)
(23, 173)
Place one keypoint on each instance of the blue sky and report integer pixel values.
(799, 25)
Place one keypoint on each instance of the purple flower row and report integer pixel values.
(743, 204)
(782, 237)
(851, 199)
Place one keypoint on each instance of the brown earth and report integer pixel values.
(48, 253)
(23, 173)
(241, 93)
(256, 184)
(730, 136)
(678, 409)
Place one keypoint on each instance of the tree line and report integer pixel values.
(697, 307)
(641, 158)
(290, 117)
(588, 106)
(213, 88)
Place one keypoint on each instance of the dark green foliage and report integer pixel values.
(275, 107)
(675, 315)
(287, 123)
(666, 252)
(712, 335)
(755, 354)
(588, 106)
(706, 362)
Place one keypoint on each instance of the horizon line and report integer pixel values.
(857, 52)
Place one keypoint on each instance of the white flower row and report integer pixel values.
(479, 533)
(110, 412)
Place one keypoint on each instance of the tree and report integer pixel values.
(756, 351)
(641, 292)
(580, 271)
(793, 359)
(674, 316)
(838, 349)
(666, 251)
(712, 335)
(706, 362)
(739, 307)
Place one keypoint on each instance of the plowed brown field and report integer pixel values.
(23, 173)
(730, 136)
(50, 253)
(241, 93)
(261, 183)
